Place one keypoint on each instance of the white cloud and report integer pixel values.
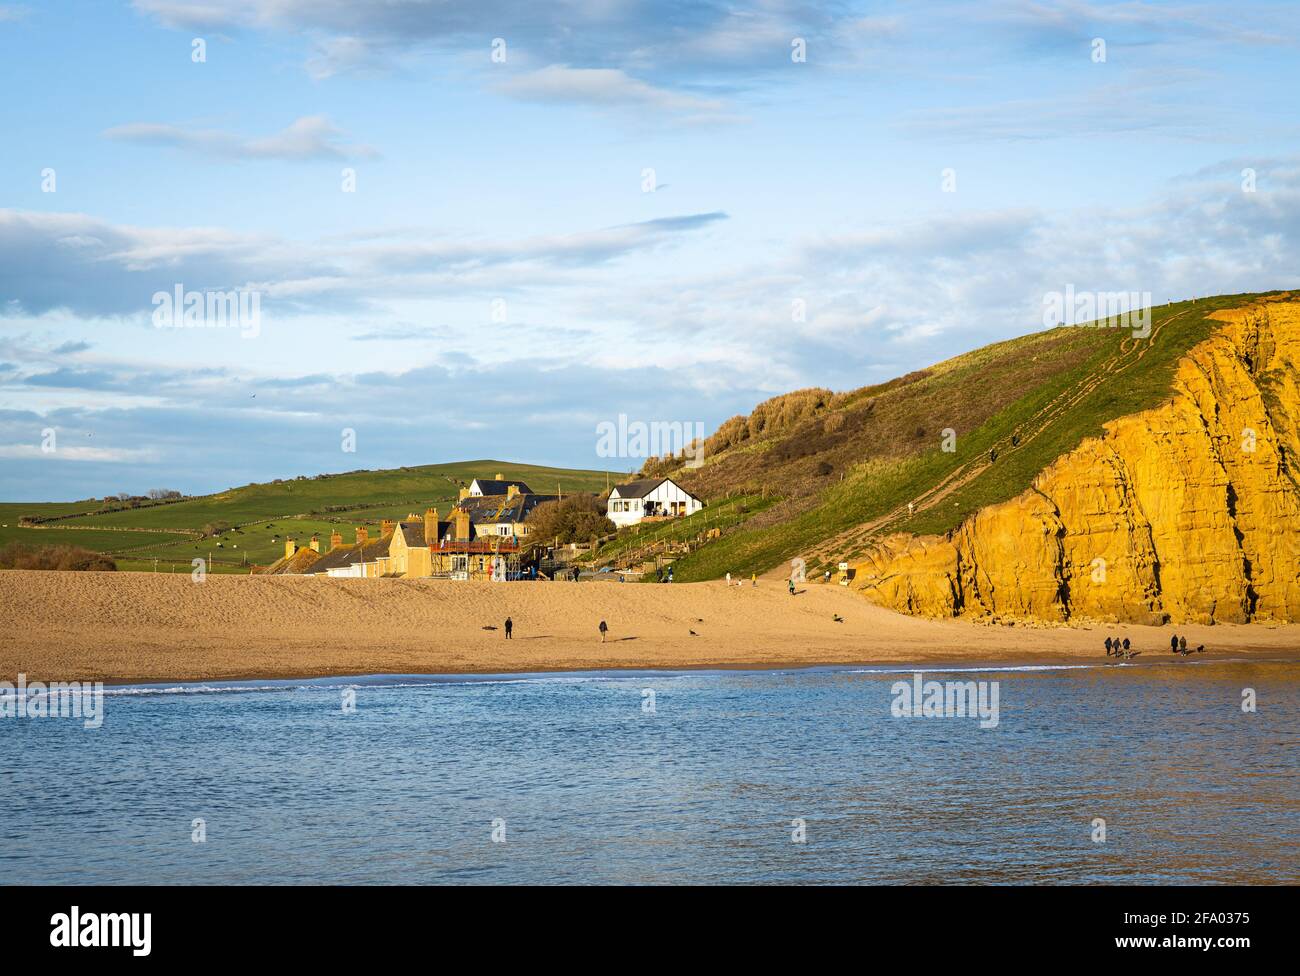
(310, 137)
(114, 455)
(602, 87)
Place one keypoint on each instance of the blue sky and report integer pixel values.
(521, 182)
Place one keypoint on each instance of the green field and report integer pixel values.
(260, 516)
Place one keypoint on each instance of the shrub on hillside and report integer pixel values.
(73, 558)
(578, 518)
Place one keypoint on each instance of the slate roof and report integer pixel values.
(487, 509)
(299, 562)
(639, 489)
(345, 556)
(490, 486)
(413, 533)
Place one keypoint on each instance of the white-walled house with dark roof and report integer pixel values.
(650, 498)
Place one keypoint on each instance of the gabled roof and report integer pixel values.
(412, 533)
(491, 486)
(299, 562)
(489, 509)
(639, 489)
(345, 556)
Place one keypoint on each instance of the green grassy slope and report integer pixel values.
(261, 516)
(1095, 375)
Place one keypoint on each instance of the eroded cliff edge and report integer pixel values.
(1189, 512)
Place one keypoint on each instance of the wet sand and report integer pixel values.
(142, 627)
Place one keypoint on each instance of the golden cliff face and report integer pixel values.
(1188, 512)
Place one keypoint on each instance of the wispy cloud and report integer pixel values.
(1140, 103)
(94, 267)
(311, 137)
(603, 87)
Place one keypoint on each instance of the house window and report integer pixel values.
(503, 529)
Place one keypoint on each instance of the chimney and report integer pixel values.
(461, 519)
(290, 547)
(430, 526)
(336, 540)
(464, 493)
(362, 535)
(315, 543)
(512, 490)
(386, 527)
(499, 477)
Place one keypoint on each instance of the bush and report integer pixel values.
(578, 518)
(72, 558)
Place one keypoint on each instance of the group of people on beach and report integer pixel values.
(1178, 645)
(1122, 648)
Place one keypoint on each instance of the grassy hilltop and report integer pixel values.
(843, 466)
(256, 519)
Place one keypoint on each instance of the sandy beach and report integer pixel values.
(140, 627)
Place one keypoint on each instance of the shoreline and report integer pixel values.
(884, 668)
(142, 628)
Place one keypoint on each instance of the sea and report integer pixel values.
(1174, 772)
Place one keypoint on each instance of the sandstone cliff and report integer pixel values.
(1189, 512)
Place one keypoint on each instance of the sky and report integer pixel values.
(483, 228)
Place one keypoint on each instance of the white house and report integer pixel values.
(651, 497)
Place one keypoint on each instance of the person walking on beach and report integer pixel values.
(1108, 647)
(753, 579)
(1125, 645)
(603, 629)
(1173, 644)
(792, 587)
(1182, 645)
(510, 626)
